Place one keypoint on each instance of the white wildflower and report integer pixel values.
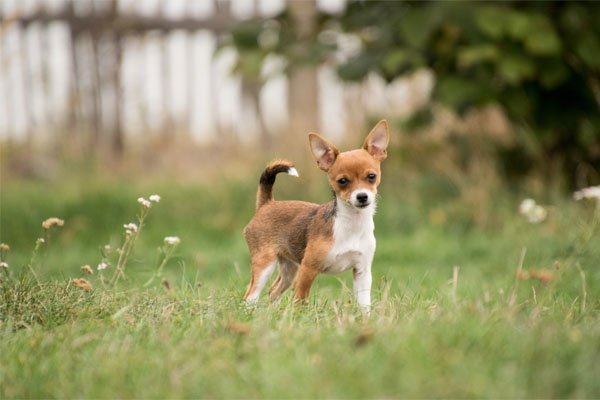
(592, 192)
(40, 241)
(526, 206)
(3, 264)
(130, 228)
(155, 198)
(144, 202)
(103, 265)
(537, 214)
(534, 213)
(172, 240)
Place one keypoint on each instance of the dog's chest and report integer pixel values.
(353, 245)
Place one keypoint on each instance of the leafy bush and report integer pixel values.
(539, 61)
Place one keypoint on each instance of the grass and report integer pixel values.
(450, 319)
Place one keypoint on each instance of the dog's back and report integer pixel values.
(285, 226)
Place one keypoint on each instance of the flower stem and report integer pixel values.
(127, 248)
(167, 252)
(32, 260)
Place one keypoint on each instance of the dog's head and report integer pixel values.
(354, 175)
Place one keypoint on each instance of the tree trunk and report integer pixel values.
(303, 90)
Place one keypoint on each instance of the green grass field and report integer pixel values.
(450, 317)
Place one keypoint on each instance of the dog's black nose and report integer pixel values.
(362, 198)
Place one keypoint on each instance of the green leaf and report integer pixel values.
(245, 35)
(588, 50)
(588, 133)
(553, 73)
(419, 25)
(356, 68)
(575, 17)
(460, 93)
(517, 104)
(472, 55)
(515, 68)
(401, 60)
(542, 39)
(544, 43)
(519, 25)
(492, 21)
(250, 63)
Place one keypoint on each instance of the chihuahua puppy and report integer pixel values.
(307, 239)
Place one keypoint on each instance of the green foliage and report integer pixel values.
(256, 39)
(539, 60)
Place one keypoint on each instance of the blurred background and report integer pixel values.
(488, 102)
(515, 81)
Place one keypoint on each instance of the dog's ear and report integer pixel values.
(377, 141)
(324, 152)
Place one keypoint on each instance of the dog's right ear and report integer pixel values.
(324, 152)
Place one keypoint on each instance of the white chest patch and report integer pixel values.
(353, 239)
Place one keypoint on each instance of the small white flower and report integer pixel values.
(592, 192)
(3, 264)
(101, 266)
(40, 241)
(532, 211)
(172, 240)
(107, 247)
(130, 228)
(537, 214)
(144, 202)
(155, 198)
(526, 206)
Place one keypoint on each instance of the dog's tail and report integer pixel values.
(267, 179)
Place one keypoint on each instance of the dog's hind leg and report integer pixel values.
(263, 265)
(287, 273)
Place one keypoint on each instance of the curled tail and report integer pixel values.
(267, 179)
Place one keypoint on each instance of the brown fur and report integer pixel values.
(280, 231)
(296, 234)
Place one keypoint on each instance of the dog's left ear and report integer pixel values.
(377, 141)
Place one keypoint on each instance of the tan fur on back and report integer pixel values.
(287, 227)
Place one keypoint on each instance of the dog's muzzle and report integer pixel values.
(362, 198)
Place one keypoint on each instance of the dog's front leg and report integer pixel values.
(362, 285)
(304, 280)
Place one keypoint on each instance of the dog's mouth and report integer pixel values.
(357, 204)
(360, 205)
(354, 204)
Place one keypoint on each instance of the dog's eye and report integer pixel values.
(343, 181)
(372, 177)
